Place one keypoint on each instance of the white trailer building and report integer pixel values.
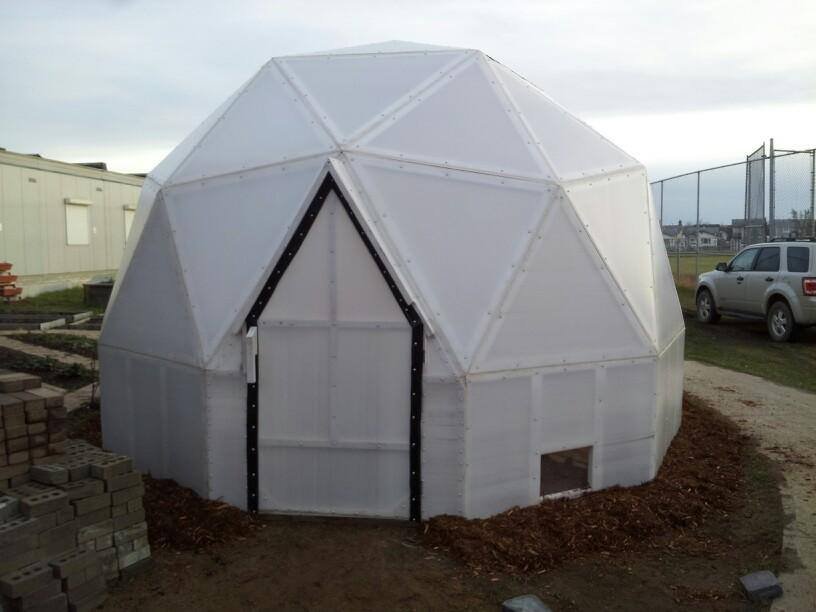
(62, 223)
(394, 281)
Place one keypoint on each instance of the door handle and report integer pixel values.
(769, 279)
(740, 279)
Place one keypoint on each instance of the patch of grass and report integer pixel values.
(686, 264)
(69, 343)
(51, 371)
(744, 346)
(66, 301)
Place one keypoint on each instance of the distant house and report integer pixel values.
(63, 223)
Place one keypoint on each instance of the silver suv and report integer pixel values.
(775, 281)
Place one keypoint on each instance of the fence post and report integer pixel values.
(697, 257)
(771, 230)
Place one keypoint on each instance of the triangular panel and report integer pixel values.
(667, 305)
(461, 122)
(388, 46)
(266, 124)
(562, 307)
(351, 91)
(458, 236)
(615, 213)
(228, 232)
(572, 147)
(151, 312)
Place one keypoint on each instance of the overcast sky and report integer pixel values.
(679, 85)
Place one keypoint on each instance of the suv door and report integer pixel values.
(757, 281)
(730, 285)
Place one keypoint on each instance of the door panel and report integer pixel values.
(334, 386)
(757, 281)
(731, 285)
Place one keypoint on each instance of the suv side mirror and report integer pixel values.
(722, 267)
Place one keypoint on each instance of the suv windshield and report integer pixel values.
(743, 261)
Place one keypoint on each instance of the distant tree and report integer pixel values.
(802, 222)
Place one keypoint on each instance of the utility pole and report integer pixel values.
(772, 196)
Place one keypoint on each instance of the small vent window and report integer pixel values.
(565, 471)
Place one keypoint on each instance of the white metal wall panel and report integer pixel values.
(151, 313)
(630, 400)
(334, 395)
(615, 213)
(13, 235)
(498, 443)
(267, 123)
(226, 436)
(227, 233)
(461, 122)
(572, 147)
(351, 91)
(562, 307)
(460, 237)
(443, 449)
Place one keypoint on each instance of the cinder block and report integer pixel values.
(37, 428)
(38, 453)
(57, 436)
(17, 381)
(103, 542)
(16, 481)
(89, 504)
(119, 510)
(49, 458)
(55, 425)
(9, 506)
(56, 603)
(74, 562)
(29, 399)
(59, 547)
(110, 563)
(52, 398)
(49, 474)
(130, 558)
(120, 497)
(21, 527)
(123, 481)
(95, 531)
(97, 516)
(59, 532)
(128, 534)
(10, 404)
(11, 471)
(43, 503)
(16, 445)
(3, 459)
(15, 429)
(23, 545)
(38, 440)
(10, 564)
(761, 586)
(113, 466)
(18, 457)
(57, 448)
(39, 598)
(65, 515)
(89, 603)
(27, 488)
(57, 412)
(120, 522)
(92, 586)
(79, 469)
(26, 580)
(36, 415)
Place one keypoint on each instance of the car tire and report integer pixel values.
(706, 308)
(781, 325)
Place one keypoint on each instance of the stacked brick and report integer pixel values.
(32, 426)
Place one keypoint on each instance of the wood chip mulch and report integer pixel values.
(179, 519)
(702, 476)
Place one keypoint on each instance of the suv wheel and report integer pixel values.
(781, 326)
(706, 309)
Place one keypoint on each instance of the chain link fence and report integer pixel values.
(708, 215)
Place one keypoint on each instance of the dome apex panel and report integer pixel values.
(389, 46)
(267, 123)
(463, 121)
(352, 91)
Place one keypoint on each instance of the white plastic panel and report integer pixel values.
(334, 394)
(388, 46)
(670, 396)
(562, 307)
(566, 410)
(615, 213)
(228, 232)
(151, 312)
(266, 124)
(629, 402)
(443, 447)
(459, 235)
(498, 442)
(625, 464)
(572, 147)
(226, 437)
(461, 122)
(668, 314)
(351, 91)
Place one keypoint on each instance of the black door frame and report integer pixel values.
(328, 186)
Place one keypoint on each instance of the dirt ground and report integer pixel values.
(784, 422)
(345, 565)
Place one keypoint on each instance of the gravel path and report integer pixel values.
(784, 421)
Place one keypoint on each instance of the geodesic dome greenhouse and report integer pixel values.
(393, 281)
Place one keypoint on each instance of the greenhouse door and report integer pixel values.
(334, 381)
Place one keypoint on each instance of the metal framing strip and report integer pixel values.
(417, 348)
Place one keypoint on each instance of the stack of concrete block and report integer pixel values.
(33, 588)
(32, 426)
(83, 582)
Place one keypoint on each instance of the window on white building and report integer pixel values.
(129, 214)
(77, 222)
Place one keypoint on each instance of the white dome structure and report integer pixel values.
(398, 281)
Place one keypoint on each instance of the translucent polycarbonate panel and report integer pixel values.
(362, 293)
(267, 123)
(565, 408)
(351, 91)
(438, 365)
(226, 436)
(669, 317)
(443, 445)
(624, 464)
(461, 122)
(151, 312)
(389, 46)
(155, 413)
(228, 231)
(629, 402)
(615, 213)
(169, 164)
(572, 147)
(562, 307)
(669, 395)
(498, 443)
(459, 235)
